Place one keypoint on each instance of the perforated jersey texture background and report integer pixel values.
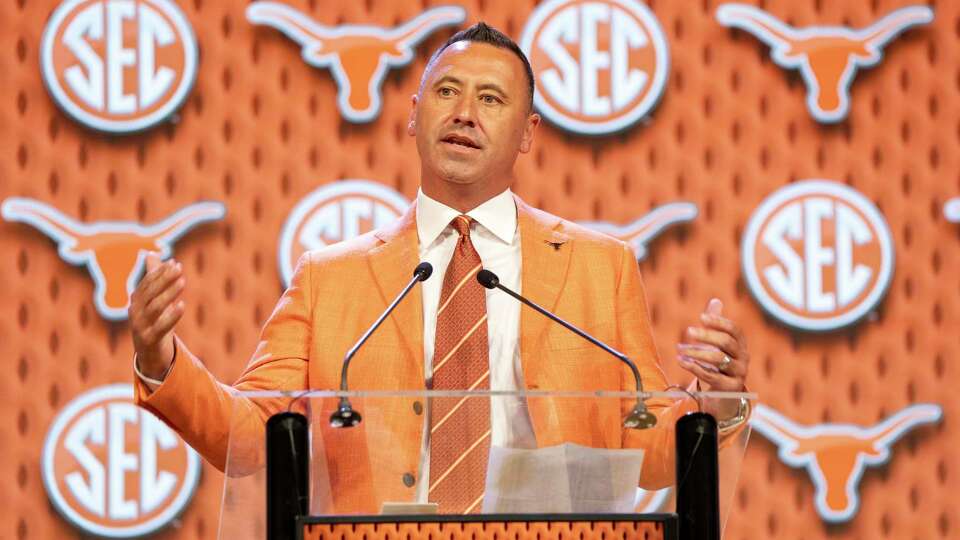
(260, 130)
(507, 530)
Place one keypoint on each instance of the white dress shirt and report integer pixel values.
(496, 237)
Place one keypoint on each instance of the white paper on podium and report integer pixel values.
(562, 479)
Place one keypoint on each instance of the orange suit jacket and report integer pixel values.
(585, 277)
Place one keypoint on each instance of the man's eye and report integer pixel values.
(489, 99)
(446, 92)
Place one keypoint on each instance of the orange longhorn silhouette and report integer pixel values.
(642, 231)
(357, 55)
(827, 56)
(113, 251)
(835, 455)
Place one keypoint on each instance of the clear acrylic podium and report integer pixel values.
(574, 470)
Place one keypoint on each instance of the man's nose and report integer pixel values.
(465, 112)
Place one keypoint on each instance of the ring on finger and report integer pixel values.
(725, 363)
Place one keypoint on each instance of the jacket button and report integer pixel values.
(409, 480)
(417, 408)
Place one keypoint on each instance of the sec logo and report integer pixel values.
(335, 212)
(817, 255)
(600, 65)
(118, 66)
(113, 469)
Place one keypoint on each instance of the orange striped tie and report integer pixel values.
(460, 428)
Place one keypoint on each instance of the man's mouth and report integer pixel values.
(460, 140)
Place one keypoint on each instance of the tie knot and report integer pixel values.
(461, 224)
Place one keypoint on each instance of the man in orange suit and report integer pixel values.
(471, 118)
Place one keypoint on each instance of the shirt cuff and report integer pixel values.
(151, 383)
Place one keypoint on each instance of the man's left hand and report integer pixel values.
(715, 352)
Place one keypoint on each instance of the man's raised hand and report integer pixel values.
(155, 308)
(716, 352)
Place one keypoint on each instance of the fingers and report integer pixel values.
(167, 320)
(718, 381)
(150, 333)
(714, 307)
(723, 340)
(155, 282)
(154, 305)
(711, 345)
(711, 358)
(723, 324)
(153, 260)
(161, 301)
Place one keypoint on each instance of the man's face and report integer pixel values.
(472, 117)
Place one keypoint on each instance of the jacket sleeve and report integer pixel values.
(636, 338)
(209, 415)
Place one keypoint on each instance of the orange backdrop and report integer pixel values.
(260, 130)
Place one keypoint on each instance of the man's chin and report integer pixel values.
(460, 175)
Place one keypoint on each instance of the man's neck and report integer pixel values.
(461, 197)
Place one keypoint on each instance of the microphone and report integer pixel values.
(639, 417)
(345, 415)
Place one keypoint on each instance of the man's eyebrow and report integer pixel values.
(493, 86)
(447, 79)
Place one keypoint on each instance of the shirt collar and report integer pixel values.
(498, 215)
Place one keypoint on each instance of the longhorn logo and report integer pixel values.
(835, 455)
(357, 55)
(113, 251)
(951, 210)
(641, 232)
(827, 56)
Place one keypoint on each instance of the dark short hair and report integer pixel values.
(484, 33)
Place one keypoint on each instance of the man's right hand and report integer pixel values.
(155, 308)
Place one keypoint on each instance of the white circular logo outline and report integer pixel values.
(850, 196)
(191, 477)
(316, 197)
(658, 82)
(191, 60)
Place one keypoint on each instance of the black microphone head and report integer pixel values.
(488, 279)
(423, 271)
(344, 416)
(640, 418)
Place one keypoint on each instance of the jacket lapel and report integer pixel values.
(545, 252)
(392, 263)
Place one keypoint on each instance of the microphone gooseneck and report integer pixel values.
(639, 417)
(345, 415)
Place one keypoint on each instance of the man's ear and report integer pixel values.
(533, 120)
(412, 123)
